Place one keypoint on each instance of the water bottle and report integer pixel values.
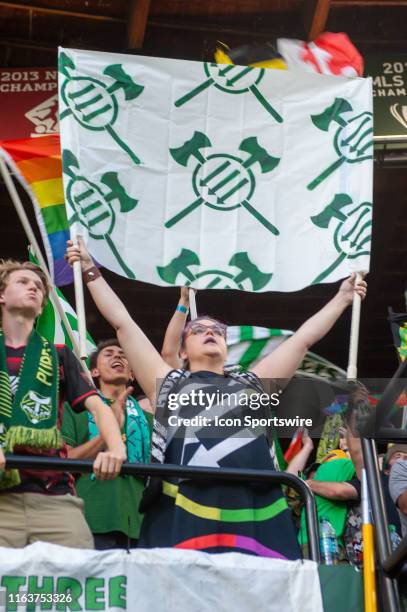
(395, 539)
(328, 543)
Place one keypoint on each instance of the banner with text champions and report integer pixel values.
(29, 102)
(159, 579)
(218, 176)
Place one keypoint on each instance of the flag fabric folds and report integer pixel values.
(216, 176)
(329, 53)
(50, 326)
(248, 344)
(36, 163)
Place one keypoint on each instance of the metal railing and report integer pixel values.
(200, 473)
(390, 563)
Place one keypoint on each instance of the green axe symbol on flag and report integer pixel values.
(222, 181)
(93, 206)
(92, 103)
(353, 232)
(353, 140)
(234, 80)
(247, 271)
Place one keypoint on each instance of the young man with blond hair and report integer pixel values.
(36, 377)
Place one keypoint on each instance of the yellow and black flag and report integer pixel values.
(398, 324)
(259, 55)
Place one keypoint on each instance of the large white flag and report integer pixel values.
(218, 176)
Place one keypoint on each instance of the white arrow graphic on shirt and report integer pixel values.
(209, 457)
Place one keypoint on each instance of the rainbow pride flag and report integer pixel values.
(36, 163)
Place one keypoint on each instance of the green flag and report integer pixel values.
(50, 325)
(248, 344)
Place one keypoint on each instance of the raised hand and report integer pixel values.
(78, 253)
(349, 287)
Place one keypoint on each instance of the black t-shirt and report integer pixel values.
(74, 387)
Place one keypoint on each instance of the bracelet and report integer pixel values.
(182, 309)
(91, 274)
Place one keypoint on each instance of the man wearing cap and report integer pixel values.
(396, 460)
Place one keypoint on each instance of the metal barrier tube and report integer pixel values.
(393, 564)
(380, 417)
(202, 473)
(391, 598)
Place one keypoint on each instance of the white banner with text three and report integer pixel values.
(159, 579)
(216, 176)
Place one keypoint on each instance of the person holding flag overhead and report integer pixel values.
(203, 418)
(35, 379)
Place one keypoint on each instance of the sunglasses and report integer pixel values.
(217, 329)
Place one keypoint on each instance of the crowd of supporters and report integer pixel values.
(50, 406)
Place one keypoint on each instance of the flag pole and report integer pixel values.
(192, 304)
(369, 582)
(352, 370)
(79, 299)
(37, 252)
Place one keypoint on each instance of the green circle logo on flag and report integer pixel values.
(353, 229)
(93, 206)
(93, 103)
(223, 181)
(246, 276)
(90, 102)
(232, 79)
(353, 139)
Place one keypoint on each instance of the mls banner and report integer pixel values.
(49, 577)
(216, 176)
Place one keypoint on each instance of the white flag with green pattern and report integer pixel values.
(216, 176)
(247, 345)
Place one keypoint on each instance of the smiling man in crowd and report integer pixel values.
(111, 508)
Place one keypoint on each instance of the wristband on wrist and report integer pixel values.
(182, 309)
(91, 274)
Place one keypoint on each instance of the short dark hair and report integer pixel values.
(101, 345)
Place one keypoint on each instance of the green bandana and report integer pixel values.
(30, 418)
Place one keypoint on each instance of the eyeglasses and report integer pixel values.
(216, 328)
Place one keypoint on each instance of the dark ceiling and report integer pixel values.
(30, 32)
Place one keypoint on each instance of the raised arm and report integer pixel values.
(147, 364)
(87, 450)
(298, 463)
(172, 338)
(107, 464)
(283, 362)
(339, 491)
(90, 449)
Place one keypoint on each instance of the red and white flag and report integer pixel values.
(330, 53)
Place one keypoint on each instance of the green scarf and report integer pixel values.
(137, 431)
(30, 418)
